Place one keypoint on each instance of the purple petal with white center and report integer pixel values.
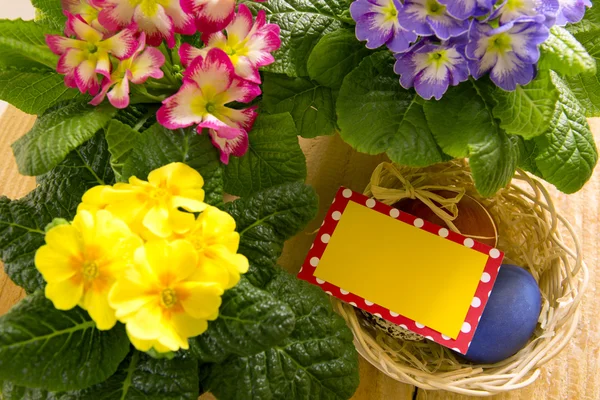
(571, 11)
(511, 10)
(428, 17)
(377, 23)
(463, 9)
(431, 68)
(509, 51)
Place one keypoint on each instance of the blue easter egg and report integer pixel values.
(509, 318)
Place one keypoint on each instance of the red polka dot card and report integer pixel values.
(411, 272)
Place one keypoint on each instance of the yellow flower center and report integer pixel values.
(159, 194)
(390, 13)
(90, 270)
(149, 7)
(515, 4)
(92, 48)
(168, 298)
(500, 43)
(197, 242)
(438, 57)
(435, 8)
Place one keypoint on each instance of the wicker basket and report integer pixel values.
(530, 233)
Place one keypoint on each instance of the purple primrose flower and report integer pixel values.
(377, 23)
(511, 10)
(509, 52)
(430, 68)
(463, 9)
(571, 11)
(430, 17)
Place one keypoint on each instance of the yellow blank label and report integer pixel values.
(417, 274)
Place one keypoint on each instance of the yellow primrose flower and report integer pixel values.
(81, 261)
(214, 237)
(162, 299)
(151, 208)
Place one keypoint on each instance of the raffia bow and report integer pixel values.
(389, 186)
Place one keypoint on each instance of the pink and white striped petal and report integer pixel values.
(119, 95)
(211, 15)
(242, 90)
(157, 25)
(229, 141)
(123, 44)
(147, 65)
(187, 53)
(103, 66)
(86, 78)
(212, 122)
(213, 73)
(106, 84)
(241, 25)
(243, 118)
(115, 14)
(182, 109)
(245, 69)
(184, 22)
(59, 44)
(70, 80)
(81, 29)
(70, 60)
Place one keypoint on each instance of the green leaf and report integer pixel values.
(312, 106)
(56, 133)
(139, 116)
(336, 54)
(587, 87)
(141, 377)
(274, 157)
(463, 125)
(121, 139)
(57, 350)
(589, 23)
(50, 12)
(250, 320)
(302, 23)
(562, 53)
(527, 111)
(159, 146)
(317, 361)
(10, 391)
(567, 153)
(528, 151)
(23, 45)
(33, 91)
(376, 115)
(266, 220)
(57, 195)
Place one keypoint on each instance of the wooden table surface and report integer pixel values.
(573, 375)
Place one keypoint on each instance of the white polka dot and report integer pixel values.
(476, 302)
(371, 203)
(456, 349)
(320, 281)
(445, 337)
(469, 345)
(418, 223)
(489, 293)
(312, 245)
(494, 253)
(347, 193)
(394, 314)
(443, 232)
(479, 319)
(466, 327)
(485, 278)
(336, 215)
(333, 200)
(344, 292)
(329, 293)
(300, 270)
(325, 238)
(419, 325)
(314, 261)
(353, 304)
(469, 242)
(369, 303)
(322, 223)
(394, 213)
(428, 338)
(403, 326)
(378, 315)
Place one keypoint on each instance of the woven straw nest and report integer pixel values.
(533, 234)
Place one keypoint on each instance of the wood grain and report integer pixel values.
(573, 375)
